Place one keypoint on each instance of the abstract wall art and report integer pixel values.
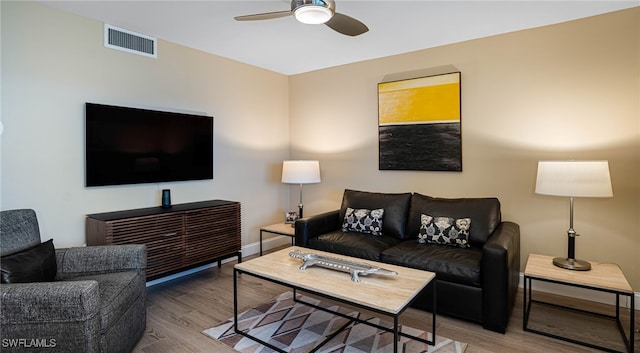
(419, 124)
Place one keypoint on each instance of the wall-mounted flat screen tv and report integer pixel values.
(132, 146)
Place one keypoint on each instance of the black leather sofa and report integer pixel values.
(477, 283)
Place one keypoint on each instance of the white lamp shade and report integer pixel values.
(574, 179)
(301, 172)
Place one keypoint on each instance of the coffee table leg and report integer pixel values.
(435, 309)
(524, 305)
(235, 315)
(632, 324)
(396, 338)
(235, 300)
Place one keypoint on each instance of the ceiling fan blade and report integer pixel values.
(263, 16)
(346, 25)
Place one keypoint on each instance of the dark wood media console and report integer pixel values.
(178, 238)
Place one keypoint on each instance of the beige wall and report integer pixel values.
(53, 62)
(567, 91)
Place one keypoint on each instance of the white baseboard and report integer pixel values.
(247, 250)
(267, 244)
(581, 293)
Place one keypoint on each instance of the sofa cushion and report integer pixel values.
(395, 206)
(444, 231)
(363, 220)
(450, 263)
(359, 245)
(485, 213)
(34, 264)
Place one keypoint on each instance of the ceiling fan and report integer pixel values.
(315, 12)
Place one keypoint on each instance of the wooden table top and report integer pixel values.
(390, 294)
(280, 228)
(601, 275)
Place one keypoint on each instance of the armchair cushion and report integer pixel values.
(116, 291)
(34, 264)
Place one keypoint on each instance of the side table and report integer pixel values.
(279, 229)
(603, 277)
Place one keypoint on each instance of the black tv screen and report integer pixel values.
(132, 146)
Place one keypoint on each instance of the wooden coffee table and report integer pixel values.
(385, 295)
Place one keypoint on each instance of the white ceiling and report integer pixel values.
(283, 45)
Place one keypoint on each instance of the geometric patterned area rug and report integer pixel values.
(297, 328)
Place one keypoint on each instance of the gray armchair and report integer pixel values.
(95, 304)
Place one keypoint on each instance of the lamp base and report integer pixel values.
(572, 264)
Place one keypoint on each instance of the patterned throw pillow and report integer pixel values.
(444, 230)
(363, 221)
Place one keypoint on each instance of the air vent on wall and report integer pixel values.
(131, 42)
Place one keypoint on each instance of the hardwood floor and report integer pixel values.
(178, 310)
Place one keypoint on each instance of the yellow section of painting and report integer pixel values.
(424, 100)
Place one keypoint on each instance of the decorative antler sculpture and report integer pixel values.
(355, 268)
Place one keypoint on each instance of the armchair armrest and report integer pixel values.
(500, 275)
(101, 259)
(55, 302)
(311, 227)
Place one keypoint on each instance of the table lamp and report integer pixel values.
(573, 179)
(300, 172)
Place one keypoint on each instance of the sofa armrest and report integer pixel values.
(49, 302)
(101, 259)
(311, 227)
(500, 275)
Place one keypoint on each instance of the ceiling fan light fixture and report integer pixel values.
(313, 14)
